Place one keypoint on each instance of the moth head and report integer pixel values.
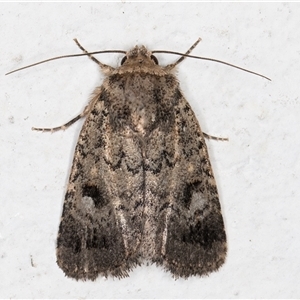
(139, 55)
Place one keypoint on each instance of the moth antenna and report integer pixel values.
(124, 52)
(211, 59)
(66, 56)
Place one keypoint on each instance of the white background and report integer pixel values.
(257, 171)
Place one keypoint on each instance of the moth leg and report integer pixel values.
(102, 66)
(172, 66)
(211, 137)
(62, 127)
(86, 111)
(85, 51)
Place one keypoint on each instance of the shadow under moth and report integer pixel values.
(141, 186)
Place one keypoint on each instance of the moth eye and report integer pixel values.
(154, 59)
(123, 60)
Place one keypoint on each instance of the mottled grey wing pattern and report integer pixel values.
(192, 235)
(101, 224)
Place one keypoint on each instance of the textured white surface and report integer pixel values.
(257, 171)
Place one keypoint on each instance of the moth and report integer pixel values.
(141, 187)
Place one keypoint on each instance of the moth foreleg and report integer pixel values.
(211, 137)
(102, 66)
(68, 124)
